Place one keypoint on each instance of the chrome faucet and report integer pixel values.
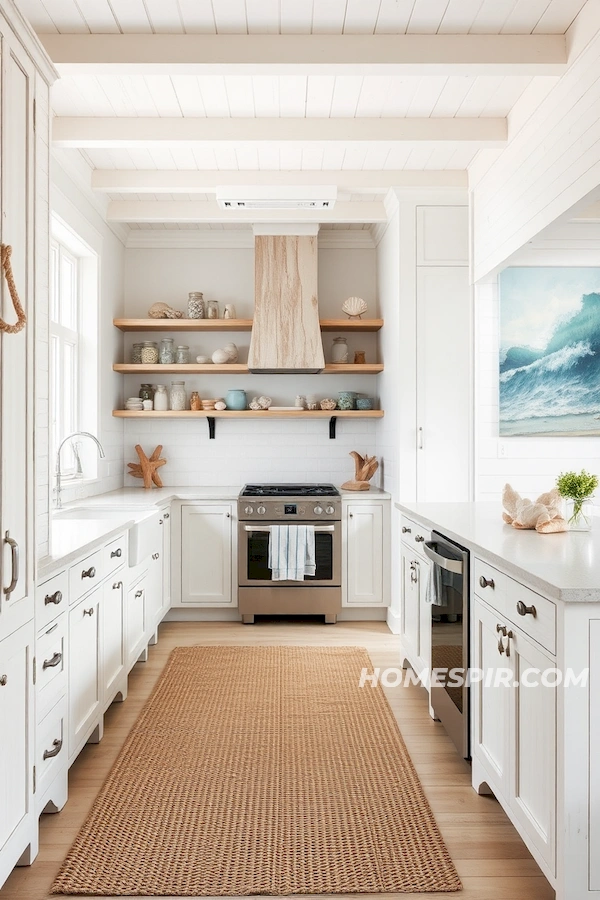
(70, 437)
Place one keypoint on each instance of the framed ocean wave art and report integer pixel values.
(549, 351)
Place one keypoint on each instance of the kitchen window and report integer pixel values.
(73, 338)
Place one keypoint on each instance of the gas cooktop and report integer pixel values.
(289, 490)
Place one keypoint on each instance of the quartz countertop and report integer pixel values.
(564, 566)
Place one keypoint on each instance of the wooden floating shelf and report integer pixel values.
(249, 414)
(215, 325)
(234, 369)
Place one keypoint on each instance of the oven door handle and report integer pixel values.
(268, 528)
(451, 565)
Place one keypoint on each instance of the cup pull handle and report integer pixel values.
(57, 744)
(51, 663)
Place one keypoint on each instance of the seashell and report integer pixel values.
(232, 350)
(220, 357)
(354, 307)
(328, 403)
(164, 311)
(220, 404)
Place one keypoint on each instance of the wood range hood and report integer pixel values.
(286, 335)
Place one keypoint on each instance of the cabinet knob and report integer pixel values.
(160, 521)
(52, 663)
(486, 582)
(405, 530)
(526, 610)
(117, 585)
(56, 597)
(89, 573)
(167, 515)
(138, 593)
(3, 680)
(501, 629)
(57, 745)
(419, 538)
(89, 612)
(351, 515)
(118, 553)
(155, 555)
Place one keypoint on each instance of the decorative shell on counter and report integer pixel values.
(328, 403)
(164, 311)
(354, 307)
(260, 403)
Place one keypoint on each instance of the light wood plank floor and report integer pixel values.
(491, 859)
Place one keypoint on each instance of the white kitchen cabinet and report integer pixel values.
(135, 622)
(365, 547)
(85, 688)
(415, 613)
(166, 560)
(206, 563)
(410, 615)
(18, 828)
(114, 677)
(442, 236)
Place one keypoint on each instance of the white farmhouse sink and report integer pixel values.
(144, 534)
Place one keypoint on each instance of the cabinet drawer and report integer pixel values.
(115, 554)
(530, 612)
(51, 598)
(51, 668)
(51, 746)
(85, 575)
(414, 535)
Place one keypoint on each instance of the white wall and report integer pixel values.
(275, 450)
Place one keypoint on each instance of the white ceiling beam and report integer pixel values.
(119, 132)
(208, 211)
(165, 181)
(309, 54)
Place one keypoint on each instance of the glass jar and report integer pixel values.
(195, 305)
(212, 309)
(146, 392)
(149, 353)
(339, 351)
(136, 353)
(195, 401)
(229, 311)
(182, 355)
(579, 514)
(166, 355)
(161, 399)
(177, 398)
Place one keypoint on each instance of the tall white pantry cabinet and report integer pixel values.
(25, 77)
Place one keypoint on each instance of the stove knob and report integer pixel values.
(249, 510)
(330, 510)
(318, 510)
(261, 510)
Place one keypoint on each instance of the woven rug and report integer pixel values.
(261, 771)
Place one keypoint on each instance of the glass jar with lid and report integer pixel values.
(166, 353)
(161, 398)
(149, 353)
(136, 353)
(182, 355)
(146, 392)
(195, 305)
(177, 395)
(212, 309)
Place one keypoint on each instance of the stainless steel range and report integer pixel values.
(259, 507)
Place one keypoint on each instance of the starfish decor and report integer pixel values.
(147, 468)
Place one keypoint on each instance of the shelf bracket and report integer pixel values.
(211, 427)
(332, 424)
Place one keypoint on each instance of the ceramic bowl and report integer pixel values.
(364, 403)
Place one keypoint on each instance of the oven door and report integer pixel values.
(253, 550)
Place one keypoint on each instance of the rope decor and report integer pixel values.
(14, 296)
(261, 771)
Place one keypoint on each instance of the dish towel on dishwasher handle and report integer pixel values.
(292, 552)
(433, 590)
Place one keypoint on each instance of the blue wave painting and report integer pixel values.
(550, 351)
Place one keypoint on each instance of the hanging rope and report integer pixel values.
(8, 274)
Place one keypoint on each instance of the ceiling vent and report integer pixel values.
(253, 197)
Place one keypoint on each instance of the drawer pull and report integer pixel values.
(53, 628)
(57, 744)
(406, 530)
(89, 612)
(138, 594)
(14, 555)
(501, 629)
(117, 585)
(526, 610)
(3, 680)
(51, 663)
(56, 597)
(501, 649)
(419, 538)
(486, 582)
(118, 553)
(89, 573)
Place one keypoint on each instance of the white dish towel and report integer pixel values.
(292, 552)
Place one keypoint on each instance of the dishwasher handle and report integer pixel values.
(451, 565)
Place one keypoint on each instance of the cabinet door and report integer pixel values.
(16, 745)
(135, 619)
(533, 747)
(443, 384)
(113, 637)
(154, 589)
(424, 648)
(166, 562)
(490, 701)
(85, 691)
(409, 617)
(16, 350)
(206, 555)
(364, 554)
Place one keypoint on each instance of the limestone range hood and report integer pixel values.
(286, 334)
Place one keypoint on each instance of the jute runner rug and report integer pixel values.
(261, 771)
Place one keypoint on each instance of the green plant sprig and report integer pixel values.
(576, 486)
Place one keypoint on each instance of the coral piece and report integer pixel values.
(364, 469)
(147, 468)
(543, 514)
(164, 311)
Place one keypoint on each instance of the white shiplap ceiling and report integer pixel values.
(302, 16)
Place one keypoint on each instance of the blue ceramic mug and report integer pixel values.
(236, 399)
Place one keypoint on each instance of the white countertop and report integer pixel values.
(563, 566)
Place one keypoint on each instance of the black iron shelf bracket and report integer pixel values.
(332, 424)
(211, 427)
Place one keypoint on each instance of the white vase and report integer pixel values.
(339, 351)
